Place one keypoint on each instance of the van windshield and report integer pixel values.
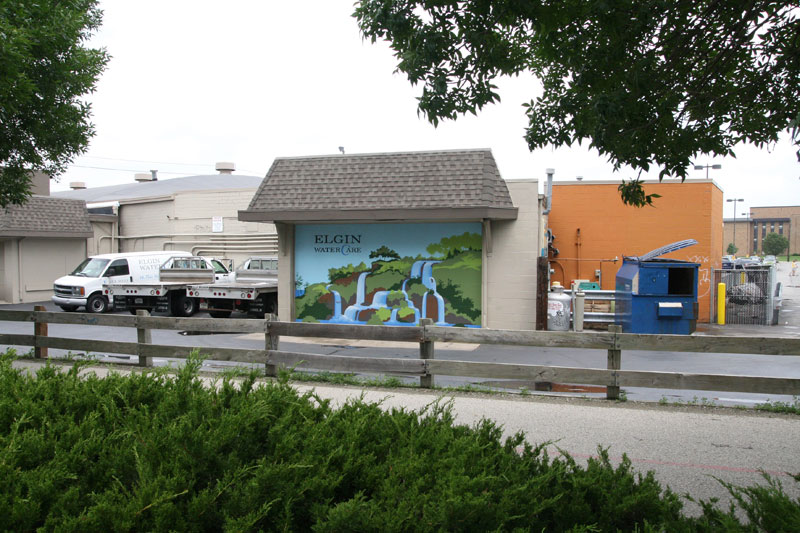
(90, 268)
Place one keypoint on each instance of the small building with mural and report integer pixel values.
(591, 230)
(388, 239)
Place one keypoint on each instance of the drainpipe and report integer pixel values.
(19, 270)
(548, 191)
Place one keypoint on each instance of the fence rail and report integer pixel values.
(426, 336)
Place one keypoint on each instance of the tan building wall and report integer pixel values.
(286, 275)
(9, 277)
(104, 227)
(510, 251)
(185, 222)
(771, 216)
(137, 220)
(31, 265)
(742, 237)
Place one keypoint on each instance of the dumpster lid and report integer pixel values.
(674, 247)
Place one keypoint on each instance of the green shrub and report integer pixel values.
(157, 452)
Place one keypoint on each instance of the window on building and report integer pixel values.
(780, 228)
(772, 227)
(763, 230)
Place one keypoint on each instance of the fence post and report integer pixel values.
(426, 351)
(577, 310)
(614, 361)
(143, 336)
(39, 330)
(271, 342)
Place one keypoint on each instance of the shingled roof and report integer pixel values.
(45, 216)
(441, 185)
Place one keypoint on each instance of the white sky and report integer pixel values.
(193, 83)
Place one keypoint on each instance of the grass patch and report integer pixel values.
(161, 450)
(792, 407)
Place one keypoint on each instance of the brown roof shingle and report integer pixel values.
(45, 216)
(407, 185)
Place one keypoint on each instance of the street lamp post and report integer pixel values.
(701, 167)
(734, 200)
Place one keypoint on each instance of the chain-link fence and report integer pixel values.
(749, 298)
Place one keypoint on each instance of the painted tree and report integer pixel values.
(384, 253)
(45, 71)
(456, 244)
(647, 83)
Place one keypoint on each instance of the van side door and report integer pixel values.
(118, 272)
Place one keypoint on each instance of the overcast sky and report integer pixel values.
(193, 83)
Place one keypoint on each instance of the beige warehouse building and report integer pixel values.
(198, 214)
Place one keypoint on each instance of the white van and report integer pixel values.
(84, 286)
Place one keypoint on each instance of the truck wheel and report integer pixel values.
(220, 308)
(96, 303)
(68, 308)
(182, 305)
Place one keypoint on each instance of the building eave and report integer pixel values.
(437, 214)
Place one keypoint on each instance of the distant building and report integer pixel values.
(198, 214)
(751, 230)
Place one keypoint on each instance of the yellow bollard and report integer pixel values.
(721, 296)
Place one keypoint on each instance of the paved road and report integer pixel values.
(777, 366)
(686, 447)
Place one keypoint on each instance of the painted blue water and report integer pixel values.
(337, 306)
(420, 269)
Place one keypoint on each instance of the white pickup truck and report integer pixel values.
(168, 293)
(254, 290)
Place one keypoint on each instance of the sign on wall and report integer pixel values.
(389, 274)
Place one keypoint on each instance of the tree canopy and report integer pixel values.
(645, 82)
(774, 243)
(45, 70)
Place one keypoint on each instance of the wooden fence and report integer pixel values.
(425, 336)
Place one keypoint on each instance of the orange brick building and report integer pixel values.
(593, 230)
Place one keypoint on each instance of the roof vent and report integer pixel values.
(226, 167)
(143, 176)
(76, 185)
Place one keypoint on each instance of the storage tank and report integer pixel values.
(558, 308)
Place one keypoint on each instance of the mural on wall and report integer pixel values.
(389, 274)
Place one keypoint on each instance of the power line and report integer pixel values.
(146, 161)
(126, 169)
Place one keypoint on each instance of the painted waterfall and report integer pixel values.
(389, 274)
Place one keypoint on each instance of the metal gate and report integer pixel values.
(749, 298)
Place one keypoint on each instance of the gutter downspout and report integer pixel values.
(548, 191)
(19, 270)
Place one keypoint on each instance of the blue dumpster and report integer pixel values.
(655, 295)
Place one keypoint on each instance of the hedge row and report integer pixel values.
(160, 452)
